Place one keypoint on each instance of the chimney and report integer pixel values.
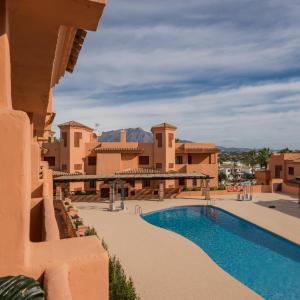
(123, 136)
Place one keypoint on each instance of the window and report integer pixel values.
(190, 160)
(64, 136)
(93, 184)
(171, 137)
(158, 165)
(171, 165)
(50, 160)
(291, 171)
(92, 160)
(181, 181)
(131, 182)
(146, 183)
(77, 167)
(143, 160)
(179, 160)
(64, 167)
(158, 137)
(194, 182)
(77, 137)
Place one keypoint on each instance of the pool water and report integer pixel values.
(266, 263)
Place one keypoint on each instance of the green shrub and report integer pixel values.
(91, 231)
(120, 287)
(78, 223)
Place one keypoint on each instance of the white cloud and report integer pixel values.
(223, 71)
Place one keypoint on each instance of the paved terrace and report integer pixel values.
(166, 266)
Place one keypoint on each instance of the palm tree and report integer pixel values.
(263, 156)
(251, 159)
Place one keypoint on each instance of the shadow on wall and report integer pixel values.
(289, 207)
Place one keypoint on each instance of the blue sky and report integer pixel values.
(223, 71)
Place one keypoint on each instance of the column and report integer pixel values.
(161, 191)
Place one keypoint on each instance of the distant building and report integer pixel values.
(236, 170)
(283, 168)
(78, 151)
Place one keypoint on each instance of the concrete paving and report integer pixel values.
(165, 265)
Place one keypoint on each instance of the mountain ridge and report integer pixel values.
(139, 135)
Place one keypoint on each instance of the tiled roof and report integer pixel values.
(144, 171)
(119, 149)
(61, 173)
(74, 124)
(164, 125)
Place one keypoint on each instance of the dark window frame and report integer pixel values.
(179, 160)
(144, 160)
(92, 160)
(158, 137)
(50, 160)
(146, 183)
(92, 184)
(64, 136)
(291, 171)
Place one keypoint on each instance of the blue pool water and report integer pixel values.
(266, 263)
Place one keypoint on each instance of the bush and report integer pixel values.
(91, 231)
(78, 223)
(120, 288)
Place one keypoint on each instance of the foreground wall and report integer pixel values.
(31, 61)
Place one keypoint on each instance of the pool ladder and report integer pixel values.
(138, 210)
(210, 201)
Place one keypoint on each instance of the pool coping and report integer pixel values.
(228, 212)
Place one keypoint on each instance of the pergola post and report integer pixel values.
(122, 184)
(58, 194)
(112, 195)
(161, 191)
(207, 189)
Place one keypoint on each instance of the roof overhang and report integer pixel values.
(164, 176)
(184, 150)
(41, 38)
(118, 150)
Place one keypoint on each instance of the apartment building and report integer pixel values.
(78, 151)
(281, 174)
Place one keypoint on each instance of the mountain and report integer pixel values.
(233, 149)
(142, 136)
(132, 134)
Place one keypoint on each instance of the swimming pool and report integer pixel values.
(266, 263)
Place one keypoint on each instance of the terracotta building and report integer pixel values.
(78, 151)
(281, 174)
(39, 41)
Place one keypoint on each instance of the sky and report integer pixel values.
(222, 71)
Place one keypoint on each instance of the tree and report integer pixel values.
(251, 158)
(263, 156)
(285, 150)
(222, 177)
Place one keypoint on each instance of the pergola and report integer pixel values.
(118, 180)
